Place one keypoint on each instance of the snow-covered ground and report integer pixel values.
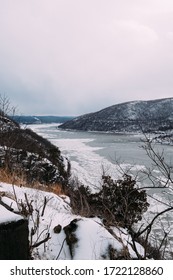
(93, 241)
(6, 215)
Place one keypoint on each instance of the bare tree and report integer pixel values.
(6, 108)
(159, 177)
(7, 126)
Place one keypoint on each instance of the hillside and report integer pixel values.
(150, 116)
(25, 154)
(67, 236)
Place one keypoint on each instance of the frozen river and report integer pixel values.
(91, 152)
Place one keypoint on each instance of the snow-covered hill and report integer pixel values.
(149, 116)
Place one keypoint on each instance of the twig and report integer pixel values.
(44, 206)
(148, 228)
(41, 242)
(5, 205)
(61, 248)
(16, 198)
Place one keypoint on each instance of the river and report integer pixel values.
(91, 152)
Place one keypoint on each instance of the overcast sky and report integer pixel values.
(70, 57)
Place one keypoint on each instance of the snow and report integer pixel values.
(93, 247)
(7, 217)
(10, 202)
(93, 238)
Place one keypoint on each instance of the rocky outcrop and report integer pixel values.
(14, 233)
(23, 151)
(30, 166)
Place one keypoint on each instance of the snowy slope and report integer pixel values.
(7, 216)
(91, 239)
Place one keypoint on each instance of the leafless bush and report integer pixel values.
(34, 216)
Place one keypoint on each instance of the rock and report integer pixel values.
(14, 244)
(71, 238)
(57, 229)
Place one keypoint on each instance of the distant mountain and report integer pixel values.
(41, 119)
(149, 116)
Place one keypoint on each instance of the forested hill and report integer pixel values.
(25, 153)
(40, 119)
(149, 116)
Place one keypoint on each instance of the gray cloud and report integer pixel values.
(72, 57)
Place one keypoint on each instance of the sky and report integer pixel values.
(71, 57)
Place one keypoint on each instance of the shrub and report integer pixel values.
(118, 202)
(121, 200)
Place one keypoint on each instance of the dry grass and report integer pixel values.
(5, 176)
(19, 179)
